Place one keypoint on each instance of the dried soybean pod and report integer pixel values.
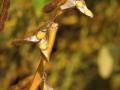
(52, 35)
(81, 5)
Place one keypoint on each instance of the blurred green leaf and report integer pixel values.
(38, 5)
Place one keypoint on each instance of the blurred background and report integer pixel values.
(86, 54)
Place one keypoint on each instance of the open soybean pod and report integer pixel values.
(30, 39)
(43, 45)
(80, 4)
(39, 35)
(46, 44)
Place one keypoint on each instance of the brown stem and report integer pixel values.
(52, 5)
(39, 75)
(4, 13)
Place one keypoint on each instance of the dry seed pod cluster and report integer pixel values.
(45, 38)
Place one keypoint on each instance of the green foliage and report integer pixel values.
(38, 6)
